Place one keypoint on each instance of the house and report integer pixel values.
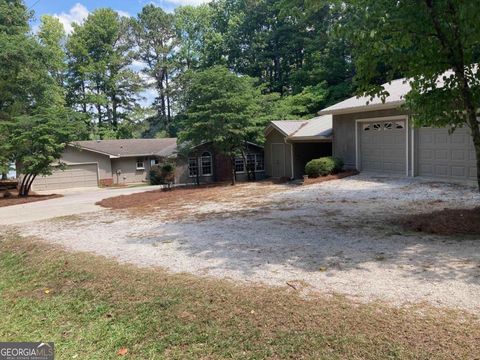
(371, 135)
(290, 144)
(207, 165)
(108, 162)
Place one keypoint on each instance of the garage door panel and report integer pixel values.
(382, 150)
(454, 156)
(78, 175)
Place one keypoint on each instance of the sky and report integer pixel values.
(69, 11)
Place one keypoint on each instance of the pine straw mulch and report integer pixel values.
(15, 200)
(220, 192)
(321, 179)
(445, 222)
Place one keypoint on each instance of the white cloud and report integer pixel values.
(122, 13)
(76, 14)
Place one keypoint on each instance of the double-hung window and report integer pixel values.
(140, 164)
(206, 161)
(259, 162)
(193, 167)
(239, 165)
(200, 166)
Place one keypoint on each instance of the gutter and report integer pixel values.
(363, 108)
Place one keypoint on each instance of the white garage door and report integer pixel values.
(445, 155)
(383, 146)
(78, 175)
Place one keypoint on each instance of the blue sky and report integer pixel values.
(69, 11)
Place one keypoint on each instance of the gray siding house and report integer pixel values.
(107, 162)
(375, 136)
(290, 144)
(114, 162)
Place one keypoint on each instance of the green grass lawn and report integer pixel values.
(92, 307)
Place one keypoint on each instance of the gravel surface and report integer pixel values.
(337, 237)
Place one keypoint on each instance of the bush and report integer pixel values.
(323, 166)
(162, 174)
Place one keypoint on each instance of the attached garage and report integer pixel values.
(76, 175)
(444, 155)
(377, 135)
(382, 146)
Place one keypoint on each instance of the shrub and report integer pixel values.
(162, 174)
(155, 175)
(323, 166)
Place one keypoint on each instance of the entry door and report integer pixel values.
(278, 160)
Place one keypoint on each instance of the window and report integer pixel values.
(154, 162)
(251, 162)
(366, 127)
(388, 126)
(140, 164)
(206, 161)
(239, 165)
(259, 163)
(255, 162)
(399, 124)
(377, 126)
(192, 167)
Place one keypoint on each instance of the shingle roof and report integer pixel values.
(319, 127)
(288, 127)
(131, 147)
(314, 129)
(397, 90)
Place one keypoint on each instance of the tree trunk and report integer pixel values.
(169, 117)
(22, 191)
(4, 176)
(234, 173)
(29, 185)
(474, 127)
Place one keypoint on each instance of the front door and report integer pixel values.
(278, 160)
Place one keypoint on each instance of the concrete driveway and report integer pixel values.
(73, 202)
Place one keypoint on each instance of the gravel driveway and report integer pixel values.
(336, 237)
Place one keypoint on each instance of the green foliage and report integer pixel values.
(38, 140)
(323, 166)
(100, 80)
(162, 174)
(155, 38)
(219, 108)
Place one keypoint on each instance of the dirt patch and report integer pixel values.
(13, 199)
(446, 222)
(321, 179)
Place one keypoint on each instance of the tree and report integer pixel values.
(52, 36)
(155, 38)
(101, 82)
(38, 142)
(220, 106)
(434, 43)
